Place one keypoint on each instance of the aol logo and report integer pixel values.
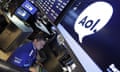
(93, 19)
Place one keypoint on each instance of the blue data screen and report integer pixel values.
(22, 13)
(28, 6)
(53, 8)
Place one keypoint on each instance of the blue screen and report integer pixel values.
(53, 8)
(102, 46)
(29, 7)
(22, 13)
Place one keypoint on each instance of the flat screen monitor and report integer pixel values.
(91, 29)
(22, 13)
(55, 9)
(28, 6)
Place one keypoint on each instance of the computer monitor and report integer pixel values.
(28, 6)
(91, 29)
(22, 13)
(54, 9)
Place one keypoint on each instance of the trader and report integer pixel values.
(25, 55)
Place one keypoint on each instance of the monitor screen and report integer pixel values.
(22, 13)
(91, 28)
(28, 6)
(54, 9)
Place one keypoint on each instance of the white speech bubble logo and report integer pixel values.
(93, 19)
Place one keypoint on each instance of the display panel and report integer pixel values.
(91, 28)
(29, 7)
(22, 14)
(55, 9)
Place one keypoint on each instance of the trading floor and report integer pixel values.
(59, 36)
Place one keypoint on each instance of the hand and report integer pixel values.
(32, 69)
(41, 65)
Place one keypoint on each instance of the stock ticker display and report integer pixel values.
(53, 8)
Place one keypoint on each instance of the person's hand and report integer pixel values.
(41, 65)
(32, 69)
